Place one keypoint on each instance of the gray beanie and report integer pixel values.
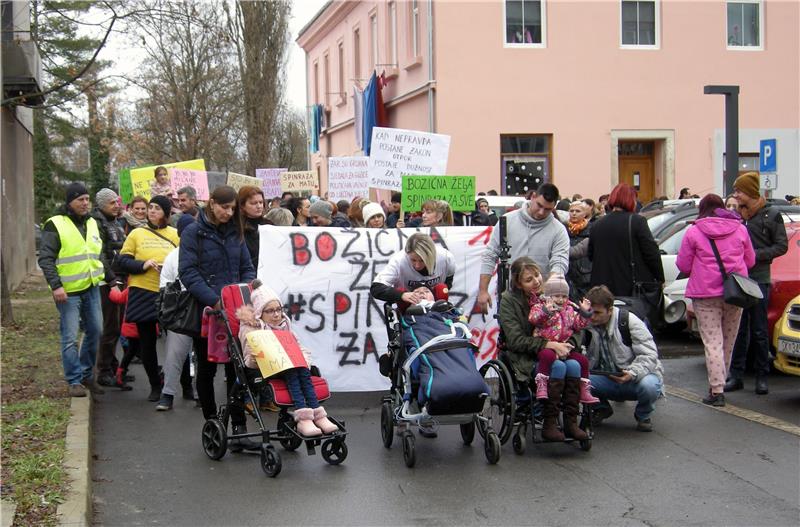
(321, 208)
(105, 196)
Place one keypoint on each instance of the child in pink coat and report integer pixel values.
(266, 312)
(555, 318)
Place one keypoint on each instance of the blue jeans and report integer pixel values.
(565, 368)
(298, 382)
(80, 311)
(645, 393)
(753, 333)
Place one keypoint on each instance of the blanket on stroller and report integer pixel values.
(449, 381)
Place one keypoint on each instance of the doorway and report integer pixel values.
(636, 167)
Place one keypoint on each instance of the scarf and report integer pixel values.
(748, 212)
(133, 222)
(576, 228)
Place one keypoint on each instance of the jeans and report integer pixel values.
(565, 368)
(112, 318)
(645, 392)
(298, 382)
(178, 349)
(753, 335)
(80, 311)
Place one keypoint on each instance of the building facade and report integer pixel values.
(582, 94)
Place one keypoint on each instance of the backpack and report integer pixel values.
(624, 326)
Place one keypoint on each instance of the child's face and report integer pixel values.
(272, 313)
(559, 300)
(529, 281)
(424, 293)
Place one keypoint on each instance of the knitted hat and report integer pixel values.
(321, 208)
(260, 297)
(74, 191)
(164, 203)
(105, 196)
(372, 209)
(556, 285)
(748, 183)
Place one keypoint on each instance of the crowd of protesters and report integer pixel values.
(600, 250)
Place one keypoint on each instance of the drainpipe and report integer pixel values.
(431, 105)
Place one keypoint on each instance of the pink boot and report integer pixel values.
(586, 394)
(305, 422)
(541, 385)
(322, 422)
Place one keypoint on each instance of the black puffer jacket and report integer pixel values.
(113, 235)
(580, 266)
(768, 235)
(251, 237)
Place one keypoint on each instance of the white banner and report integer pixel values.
(323, 277)
(395, 152)
(348, 178)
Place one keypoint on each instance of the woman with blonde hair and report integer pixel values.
(355, 214)
(436, 213)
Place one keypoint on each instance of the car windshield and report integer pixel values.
(656, 219)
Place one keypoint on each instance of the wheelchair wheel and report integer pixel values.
(491, 447)
(387, 424)
(215, 439)
(518, 440)
(586, 445)
(499, 407)
(409, 452)
(270, 460)
(586, 425)
(468, 432)
(334, 451)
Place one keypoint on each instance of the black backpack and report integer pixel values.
(624, 326)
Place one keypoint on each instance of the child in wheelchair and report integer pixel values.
(266, 312)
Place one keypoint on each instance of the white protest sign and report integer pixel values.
(197, 179)
(297, 181)
(348, 177)
(323, 275)
(270, 181)
(238, 181)
(398, 152)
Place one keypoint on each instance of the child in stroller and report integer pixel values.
(266, 312)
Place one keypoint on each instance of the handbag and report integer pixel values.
(647, 296)
(737, 290)
(178, 310)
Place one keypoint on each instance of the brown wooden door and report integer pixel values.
(637, 171)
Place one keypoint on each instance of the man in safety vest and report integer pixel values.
(71, 258)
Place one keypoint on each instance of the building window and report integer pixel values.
(639, 23)
(524, 162)
(393, 33)
(744, 24)
(356, 54)
(327, 72)
(316, 82)
(373, 27)
(414, 28)
(525, 22)
(342, 95)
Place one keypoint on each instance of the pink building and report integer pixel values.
(583, 94)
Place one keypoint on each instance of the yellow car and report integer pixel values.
(786, 339)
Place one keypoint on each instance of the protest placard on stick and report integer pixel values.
(458, 191)
(142, 177)
(275, 351)
(298, 181)
(238, 181)
(125, 187)
(348, 177)
(397, 152)
(270, 181)
(181, 177)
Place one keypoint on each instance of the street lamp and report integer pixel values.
(731, 94)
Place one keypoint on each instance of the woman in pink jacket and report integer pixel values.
(718, 321)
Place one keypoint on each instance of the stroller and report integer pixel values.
(434, 378)
(214, 434)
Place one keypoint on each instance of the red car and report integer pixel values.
(785, 277)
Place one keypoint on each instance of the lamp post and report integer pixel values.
(731, 94)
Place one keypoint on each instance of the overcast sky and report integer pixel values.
(302, 12)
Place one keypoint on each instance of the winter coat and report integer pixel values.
(128, 329)
(252, 237)
(580, 266)
(249, 322)
(211, 257)
(338, 221)
(640, 358)
(610, 253)
(557, 326)
(768, 235)
(113, 235)
(696, 257)
(520, 344)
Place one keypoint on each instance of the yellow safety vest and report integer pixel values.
(78, 263)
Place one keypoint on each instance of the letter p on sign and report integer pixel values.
(768, 156)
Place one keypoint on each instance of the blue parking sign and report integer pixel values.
(768, 156)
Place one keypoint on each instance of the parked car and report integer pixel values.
(786, 339)
(663, 221)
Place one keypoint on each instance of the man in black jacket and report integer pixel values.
(768, 234)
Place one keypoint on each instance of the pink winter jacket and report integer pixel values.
(696, 257)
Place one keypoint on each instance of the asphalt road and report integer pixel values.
(700, 466)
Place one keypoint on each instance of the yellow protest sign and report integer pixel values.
(238, 181)
(296, 181)
(142, 177)
(275, 351)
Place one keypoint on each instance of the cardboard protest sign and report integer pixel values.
(125, 187)
(348, 177)
(297, 181)
(142, 177)
(458, 191)
(397, 152)
(238, 181)
(270, 181)
(275, 351)
(181, 177)
(324, 281)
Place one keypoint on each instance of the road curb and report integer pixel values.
(75, 509)
(7, 510)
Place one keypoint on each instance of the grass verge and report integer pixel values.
(35, 407)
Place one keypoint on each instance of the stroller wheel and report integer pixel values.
(409, 453)
(586, 445)
(334, 451)
(215, 439)
(518, 440)
(387, 424)
(270, 460)
(290, 441)
(468, 432)
(492, 448)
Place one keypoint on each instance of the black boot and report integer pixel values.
(242, 443)
(550, 431)
(572, 396)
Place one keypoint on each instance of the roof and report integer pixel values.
(311, 22)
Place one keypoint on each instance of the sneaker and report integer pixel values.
(165, 403)
(733, 384)
(77, 390)
(601, 414)
(714, 399)
(91, 385)
(155, 394)
(106, 380)
(644, 425)
(429, 431)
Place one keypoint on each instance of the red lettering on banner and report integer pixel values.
(326, 246)
(300, 253)
(486, 340)
(341, 303)
(485, 234)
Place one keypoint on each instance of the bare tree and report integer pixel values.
(290, 140)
